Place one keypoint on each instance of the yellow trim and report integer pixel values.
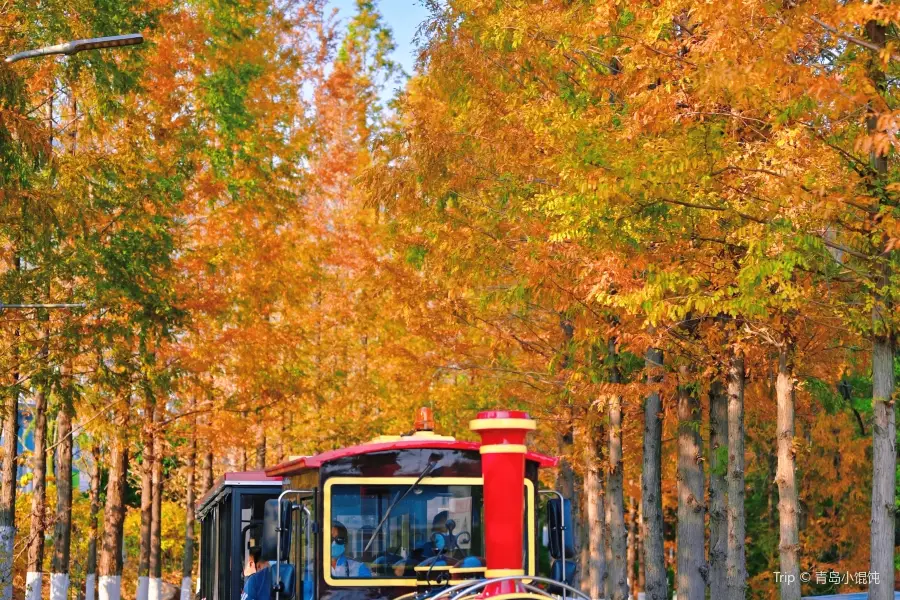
(530, 509)
(492, 573)
(504, 449)
(456, 570)
(404, 596)
(482, 424)
(421, 569)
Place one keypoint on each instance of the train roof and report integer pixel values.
(419, 440)
(246, 478)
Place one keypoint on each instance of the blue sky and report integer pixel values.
(403, 17)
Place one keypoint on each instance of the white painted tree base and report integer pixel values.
(185, 588)
(155, 588)
(7, 540)
(90, 593)
(143, 587)
(59, 586)
(33, 581)
(110, 587)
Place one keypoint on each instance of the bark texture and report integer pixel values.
(593, 497)
(690, 532)
(785, 477)
(38, 503)
(631, 555)
(8, 483)
(156, 520)
(261, 445)
(187, 566)
(884, 424)
(91, 567)
(736, 561)
(718, 465)
(655, 584)
(62, 533)
(110, 561)
(208, 478)
(146, 502)
(617, 588)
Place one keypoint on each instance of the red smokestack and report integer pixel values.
(503, 450)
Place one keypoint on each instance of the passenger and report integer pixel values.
(429, 549)
(253, 562)
(341, 565)
(260, 585)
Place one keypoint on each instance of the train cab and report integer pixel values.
(403, 514)
(231, 518)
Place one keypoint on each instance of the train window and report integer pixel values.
(302, 552)
(384, 531)
(252, 512)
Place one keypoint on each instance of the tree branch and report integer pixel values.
(851, 39)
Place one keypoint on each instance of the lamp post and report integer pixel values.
(70, 48)
(4, 306)
(76, 46)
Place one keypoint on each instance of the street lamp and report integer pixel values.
(73, 47)
(4, 306)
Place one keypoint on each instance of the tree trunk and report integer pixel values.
(90, 576)
(187, 569)
(640, 551)
(34, 575)
(147, 436)
(718, 466)
(655, 584)
(593, 496)
(62, 534)
(110, 563)
(9, 476)
(788, 508)
(261, 445)
(208, 477)
(615, 497)
(155, 587)
(631, 555)
(691, 566)
(736, 562)
(884, 424)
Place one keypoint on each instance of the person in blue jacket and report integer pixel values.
(260, 585)
(341, 564)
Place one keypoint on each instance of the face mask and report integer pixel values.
(337, 550)
(439, 542)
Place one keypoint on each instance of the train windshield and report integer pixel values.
(377, 532)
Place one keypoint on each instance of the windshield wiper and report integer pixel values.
(432, 463)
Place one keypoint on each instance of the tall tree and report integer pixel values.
(615, 497)
(62, 534)
(187, 569)
(788, 502)
(109, 567)
(90, 569)
(655, 583)
(691, 583)
(737, 524)
(148, 434)
(594, 498)
(33, 581)
(155, 587)
(718, 465)
(884, 427)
